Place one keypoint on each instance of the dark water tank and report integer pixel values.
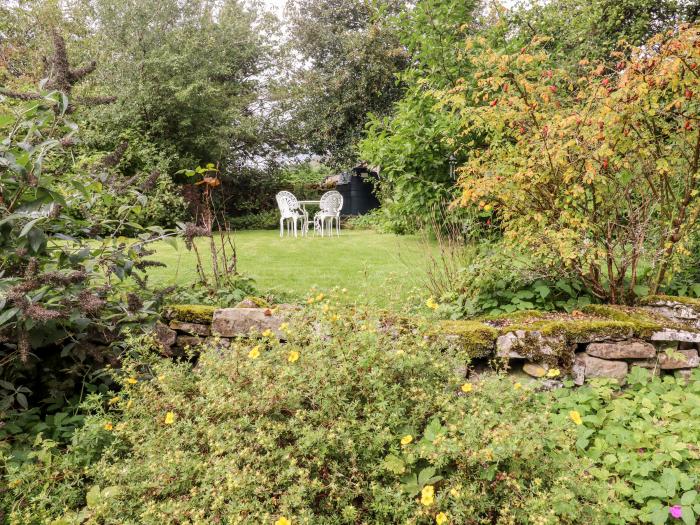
(357, 189)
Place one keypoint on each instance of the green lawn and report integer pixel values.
(379, 269)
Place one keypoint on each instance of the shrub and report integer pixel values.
(595, 172)
(342, 424)
(264, 220)
(58, 289)
(492, 278)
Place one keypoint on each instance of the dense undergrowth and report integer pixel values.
(357, 420)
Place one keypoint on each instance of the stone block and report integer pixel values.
(521, 344)
(684, 374)
(578, 369)
(691, 360)
(188, 340)
(165, 336)
(678, 312)
(596, 367)
(240, 322)
(629, 349)
(190, 328)
(535, 369)
(670, 334)
(218, 342)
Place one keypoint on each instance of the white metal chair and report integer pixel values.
(290, 211)
(331, 204)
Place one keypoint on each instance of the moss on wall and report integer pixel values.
(191, 313)
(476, 338)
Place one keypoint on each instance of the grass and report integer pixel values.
(378, 269)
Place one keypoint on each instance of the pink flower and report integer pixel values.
(676, 511)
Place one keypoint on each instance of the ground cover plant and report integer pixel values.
(643, 441)
(349, 422)
(342, 424)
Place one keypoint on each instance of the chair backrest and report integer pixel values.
(287, 203)
(331, 202)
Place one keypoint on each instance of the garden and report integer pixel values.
(502, 328)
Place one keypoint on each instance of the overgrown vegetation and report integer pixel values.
(408, 439)
(393, 444)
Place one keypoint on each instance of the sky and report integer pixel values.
(276, 5)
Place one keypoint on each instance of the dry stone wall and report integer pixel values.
(662, 336)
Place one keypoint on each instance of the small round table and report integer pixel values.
(305, 228)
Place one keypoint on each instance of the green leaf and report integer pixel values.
(543, 290)
(27, 227)
(689, 497)
(433, 430)
(394, 464)
(7, 315)
(641, 290)
(93, 496)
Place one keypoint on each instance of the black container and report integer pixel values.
(357, 189)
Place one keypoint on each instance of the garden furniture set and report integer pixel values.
(326, 220)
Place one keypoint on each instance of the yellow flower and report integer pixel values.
(325, 308)
(441, 518)
(575, 417)
(335, 318)
(267, 333)
(132, 380)
(406, 439)
(283, 521)
(293, 356)
(108, 426)
(517, 386)
(454, 493)
(284, 326)
(427, 495)
(344, 290)
(169, 418)
(320, 297)
(430, 303)
(310, 300)
(114, 400)
(553, 372)
(467, 387)
(254, 353)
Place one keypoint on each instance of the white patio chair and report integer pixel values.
(331, 204)
(290, 211)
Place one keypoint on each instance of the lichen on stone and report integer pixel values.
(190, 313)
(691, 302)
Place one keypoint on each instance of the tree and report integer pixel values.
(189, 76)
(348, 54)
(596, 173)
(593, 29)
(414, 143)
